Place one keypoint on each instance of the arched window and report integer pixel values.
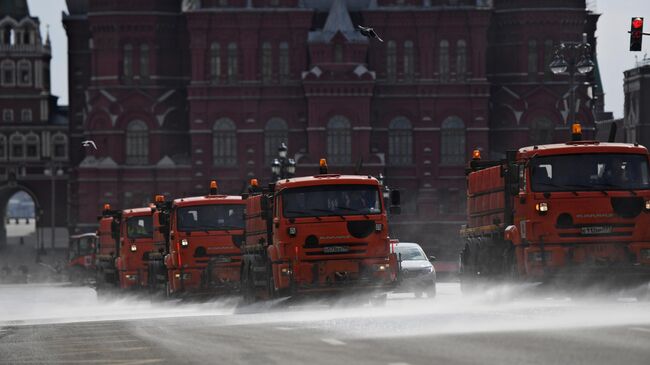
(284, 61)
(548, 57)
(144, 60)
(7, 115)
(26, 115)
(127, 61)
(17, 146)
(339, 140)
(338, 53)
(7, 35)
(60, 146)
(391, 60)
(400, 142)
(137, 143)
(532, 58)
(267, 62)
(224, 143)
(409, 62)
(24, 73)
(32, 146)
(452, 144)
(8, 69)
(232, 62)
(461, 60)
(215, 62)
(443, 61)
(541, 131)
(276, 132)
(3, 147)
(27, 36)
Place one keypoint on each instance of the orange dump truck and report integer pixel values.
(202, 236)
(136, 242)
(108, 236)
(317, 234)
(81, 257)
(577, 211)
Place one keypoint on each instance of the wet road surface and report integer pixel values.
(68, 325)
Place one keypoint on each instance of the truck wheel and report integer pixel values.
(247, 285)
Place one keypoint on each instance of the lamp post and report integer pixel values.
(572, 57)
(283, 167)
(53, 170)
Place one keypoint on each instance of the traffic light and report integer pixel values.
(636, 34)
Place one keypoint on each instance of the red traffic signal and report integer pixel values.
(636, 34)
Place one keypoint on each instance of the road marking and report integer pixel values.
(284, 328)
(333, 341)
(398, 363)
(640, 329)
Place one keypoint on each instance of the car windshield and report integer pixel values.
(139, 227)
(410, 253)
(215, 217)
(588, 172)
(331, 200)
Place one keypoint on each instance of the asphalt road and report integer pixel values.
(65, 325)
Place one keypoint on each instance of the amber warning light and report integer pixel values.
(323, 166)
(254, 183)
(160, 198)
(576, 132)
(476, 155)
(213, 187)
(107, 207)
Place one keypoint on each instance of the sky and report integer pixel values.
(613, 40)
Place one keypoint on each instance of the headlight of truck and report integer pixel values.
(645, 254)
(647, 205)
(134, 248)
(381, 267)
(292, 231)
(184, 242)
(379, 227)
(541, 207)
(537, 256)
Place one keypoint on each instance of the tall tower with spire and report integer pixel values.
(33, 129)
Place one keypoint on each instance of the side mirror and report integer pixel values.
(432, 258)
(513, 179)
(395, 197)
(396, 210)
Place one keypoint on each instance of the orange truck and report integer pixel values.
(136, 242)
(199, 238)
(81, 257)
(108, 236)
(577, 212)
(317, 234)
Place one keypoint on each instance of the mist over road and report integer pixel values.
(504, 325)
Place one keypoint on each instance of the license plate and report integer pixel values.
(335, 249)
(596, 230)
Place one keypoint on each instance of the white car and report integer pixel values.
(417, 273)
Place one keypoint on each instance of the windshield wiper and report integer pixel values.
(354, 210)
(302, 214)
(328, 211)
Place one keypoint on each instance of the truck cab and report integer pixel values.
(324, 233)
(204, 234)
(576, 211)
(81, 256)
(136, 241)
(108, 236)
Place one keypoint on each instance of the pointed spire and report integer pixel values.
(16, 9)
(338, 18)
(47, 39)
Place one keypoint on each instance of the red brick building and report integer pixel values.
(33, 129)
(177, 93)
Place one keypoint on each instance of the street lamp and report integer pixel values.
(572, 57)
(283, 167)
(53, 170)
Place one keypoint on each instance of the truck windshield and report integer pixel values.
(210, 217)
(331, 200)
(589, 172)
(139, 227)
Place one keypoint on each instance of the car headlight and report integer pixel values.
(184, 242)
(381, 267)
(134, 248)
